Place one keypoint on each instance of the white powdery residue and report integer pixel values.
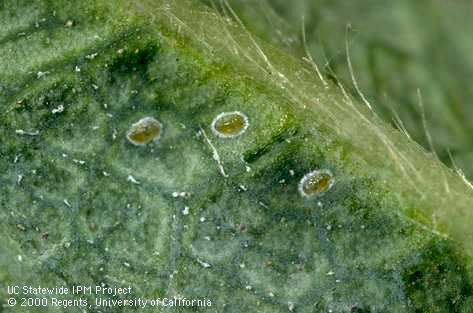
(204, 264)
(17, 158)
(130, 178)
(185, 211)
(77, 69)
(215, 154)
(106, 174)
(59, 109)
(242, 187)
(202, 219)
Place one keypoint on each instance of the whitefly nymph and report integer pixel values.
(144, 131)
(229, 124)
(316, 183)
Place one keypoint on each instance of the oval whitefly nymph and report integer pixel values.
(229, 124)
(144, 131)
(316, 183)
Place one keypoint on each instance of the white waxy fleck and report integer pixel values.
(106, 174)
(59, 109)
(27, 133)
(242, 187)
(181, 194)
(203, 264)
(185, 211)
(19, 179)
(133, 180)
(41, 74)
(202, 219)
(66, 203)
(91, 56)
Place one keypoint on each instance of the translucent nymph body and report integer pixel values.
(144, 131)
(316, 183)
(229, 124)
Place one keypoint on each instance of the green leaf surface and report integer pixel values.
(192, 214)
(396, 48)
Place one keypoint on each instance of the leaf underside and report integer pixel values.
(190, 214)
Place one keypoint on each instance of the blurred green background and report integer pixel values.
(396, 48)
